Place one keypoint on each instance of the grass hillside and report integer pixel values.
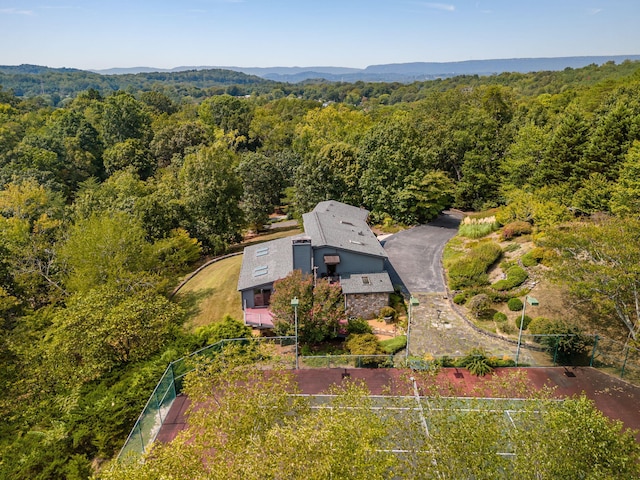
(212, 293)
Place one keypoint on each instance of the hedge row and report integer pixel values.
(471, 270)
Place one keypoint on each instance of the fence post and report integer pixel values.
(593, 352)
(555, 351)
(624, 364)
(155, 396)
(173, 381)
(144, 450)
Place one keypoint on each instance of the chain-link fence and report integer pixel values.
(155, 412)
(614, 357)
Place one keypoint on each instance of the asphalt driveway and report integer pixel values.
(415, 255)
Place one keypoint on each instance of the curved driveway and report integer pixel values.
(415, 255)
(415, 262)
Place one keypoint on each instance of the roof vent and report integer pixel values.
(344, 222)
(356, 242)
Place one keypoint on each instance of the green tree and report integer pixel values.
(298, 285)
(172, 141)
(131, 153)
(106, 326)
(326, 314)
(210, 194)
(426, 196)
(227, 328)
(123, 117)
(107, 249)
(333, 124)
(30, 222)
(594, 195)
(524, 155)
(158, 101)
(262, 183)
(390, 154)
(625, 198)
(273, 124)
(600, 262)
(564, 151)
(231, 114)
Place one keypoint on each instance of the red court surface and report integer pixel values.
(614, 397)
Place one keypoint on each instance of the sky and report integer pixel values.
(100, 34)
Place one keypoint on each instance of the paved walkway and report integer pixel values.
(438, 330)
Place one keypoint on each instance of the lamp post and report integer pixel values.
(413, 302)
(294, 304)
(534, 303)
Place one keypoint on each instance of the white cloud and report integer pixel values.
(594, 11)
(15, 11)
(439, 6)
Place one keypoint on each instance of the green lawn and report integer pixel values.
(212, 293)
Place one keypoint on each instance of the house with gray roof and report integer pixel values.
(337, 244)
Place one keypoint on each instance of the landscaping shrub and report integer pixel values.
(542, 325)
(459, 298)
(396, 300)
(394, 345)
(479, 304)
(358, 326)
(495, 296)
(471, 269)
(516, 276)
(514, 304)
(227, 328)
(499, 317)
(479, 366)
(515, 229)
(512, 247)
(388, 312)
(507, 328)
(477, 227)
(534, 257)
(476, 362)
(497, 362)
(363, 344)
(525, 322)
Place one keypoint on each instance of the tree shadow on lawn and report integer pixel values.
(192, 301)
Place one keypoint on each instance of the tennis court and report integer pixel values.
(394, 392)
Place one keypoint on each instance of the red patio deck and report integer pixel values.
(258, 317)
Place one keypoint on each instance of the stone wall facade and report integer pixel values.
(365, 305)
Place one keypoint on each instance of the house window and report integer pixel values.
(261, 297)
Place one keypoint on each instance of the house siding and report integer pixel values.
(350, 262)
(365, 305)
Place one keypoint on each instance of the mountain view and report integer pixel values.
(250, 240)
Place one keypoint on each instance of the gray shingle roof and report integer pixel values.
(339, 225)
(366, 283)
(266, 262)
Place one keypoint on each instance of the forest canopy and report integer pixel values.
(111, 189)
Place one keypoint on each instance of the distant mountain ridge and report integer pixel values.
(399, 72)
